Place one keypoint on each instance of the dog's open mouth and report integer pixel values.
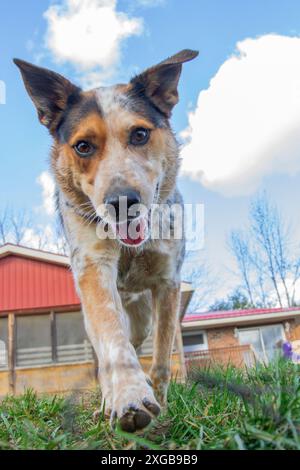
(133, 232)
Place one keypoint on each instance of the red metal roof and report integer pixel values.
(33, 279)
(236, 313)
(27, 283)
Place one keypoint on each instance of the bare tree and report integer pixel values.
(267, 260)
(196, 271)
(17, 227)
(240, 247)
(4, 226)
(20, 222)
(13, 225)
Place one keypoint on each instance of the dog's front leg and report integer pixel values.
(124, 386)
(166, 301)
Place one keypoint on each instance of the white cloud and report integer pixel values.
(46, 181)
(38, 237)
(88, 34)
(44, 238)
(150, 3)
(247, 123)
(293, 290)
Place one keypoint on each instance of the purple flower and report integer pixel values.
(288, 352)
(287, 349)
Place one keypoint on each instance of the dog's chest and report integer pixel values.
(137, 272)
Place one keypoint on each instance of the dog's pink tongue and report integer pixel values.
(133, 233)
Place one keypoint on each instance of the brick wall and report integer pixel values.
(221, 337)
(224, 337)
(294, 332)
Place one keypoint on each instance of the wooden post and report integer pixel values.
(96, 365)
(181, 352)
(11, 352)
(53, 336)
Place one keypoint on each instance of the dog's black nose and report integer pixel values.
(119, 202)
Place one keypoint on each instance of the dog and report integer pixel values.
(109, 144)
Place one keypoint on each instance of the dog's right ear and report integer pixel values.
(160, 82)
(49, 91)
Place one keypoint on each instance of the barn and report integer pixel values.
(43, 344)
(239, 337)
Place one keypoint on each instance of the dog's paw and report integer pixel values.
(135, 407)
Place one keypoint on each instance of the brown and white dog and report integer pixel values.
(111, 143)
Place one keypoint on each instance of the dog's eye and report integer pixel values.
(84, 149)
(139, 136)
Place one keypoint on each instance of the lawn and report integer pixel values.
(217, 409)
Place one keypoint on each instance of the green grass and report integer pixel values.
(217, 409)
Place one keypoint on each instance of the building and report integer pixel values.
(240, 337)
(43, 344)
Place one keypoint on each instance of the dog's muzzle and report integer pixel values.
(127, 217)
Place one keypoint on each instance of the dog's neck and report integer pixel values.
(81, 213)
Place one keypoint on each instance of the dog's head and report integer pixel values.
(112, 144)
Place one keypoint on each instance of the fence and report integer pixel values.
(239, 356)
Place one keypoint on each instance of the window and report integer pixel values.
(3, 343)
(33, 340)
(41, 341)
(271, 335)
(252, 337)
(71, 339)
(264, 340)
(194, 341)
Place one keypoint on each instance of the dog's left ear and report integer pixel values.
(160, 82)
(48, 90)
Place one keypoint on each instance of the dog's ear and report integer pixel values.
(48, 90)
(159, 83)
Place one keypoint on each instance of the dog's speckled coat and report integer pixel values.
(121, 288)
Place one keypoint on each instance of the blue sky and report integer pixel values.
(159, 28)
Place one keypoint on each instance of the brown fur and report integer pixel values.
(119, 287)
